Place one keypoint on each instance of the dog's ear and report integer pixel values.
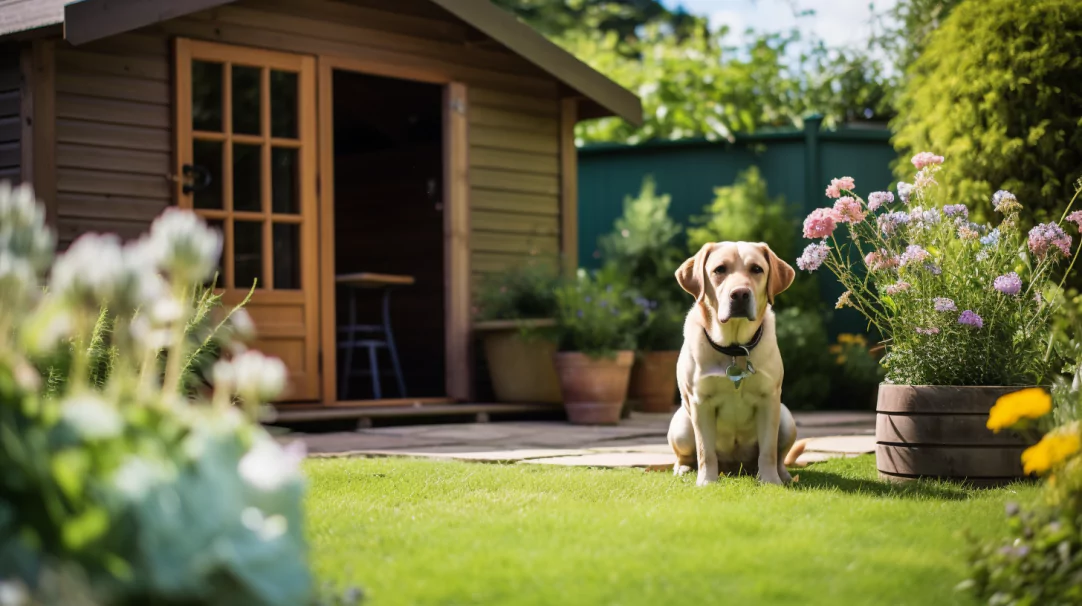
(692, 273)
(780, 275)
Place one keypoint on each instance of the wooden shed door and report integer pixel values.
(246, 154)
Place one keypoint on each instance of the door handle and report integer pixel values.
(199, 174)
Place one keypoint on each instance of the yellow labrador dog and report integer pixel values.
(730, 370)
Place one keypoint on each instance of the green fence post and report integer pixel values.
(811, 159)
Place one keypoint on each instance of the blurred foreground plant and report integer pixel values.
(119, 477)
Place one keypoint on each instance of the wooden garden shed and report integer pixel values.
(432, 138)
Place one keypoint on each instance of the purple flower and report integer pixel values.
(944, 304)
(928, 331)
(933, 269)
(924, 218)
(1009, 284)
(1005, 202)
(889, 222)
(1049, 238)
(904, 191)
(991, 239)
(956, 209)
(970, 318)
(914, 254)
(579, 313)
(1076, 218)
(879, 198)
(813, 257)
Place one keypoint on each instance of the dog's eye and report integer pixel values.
(755, 269)
(720, 269)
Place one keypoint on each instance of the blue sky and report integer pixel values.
(839, 22)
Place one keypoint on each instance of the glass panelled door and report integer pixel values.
(246, 154)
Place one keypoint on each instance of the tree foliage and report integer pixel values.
(997, 91)
(623, 18)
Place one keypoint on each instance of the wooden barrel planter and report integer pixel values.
(933, 431)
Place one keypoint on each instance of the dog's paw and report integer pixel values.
(681, 470)
(771, 478)
(706, 479)
(783, 473)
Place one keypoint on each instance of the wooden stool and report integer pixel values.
(382, 335)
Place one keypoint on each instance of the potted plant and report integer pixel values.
(596, 324)
(964, 310)
(515, 315)
(641, 247)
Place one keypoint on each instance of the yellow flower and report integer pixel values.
(1029, 403)
(1052, 450)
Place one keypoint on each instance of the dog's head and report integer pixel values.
(734, 279)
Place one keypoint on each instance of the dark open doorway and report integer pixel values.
(388, 219)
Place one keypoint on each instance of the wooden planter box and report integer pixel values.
(521, 368)
(932, 431)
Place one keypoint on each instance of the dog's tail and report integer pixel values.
(795, 451)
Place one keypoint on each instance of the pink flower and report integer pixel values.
(837, 186)
(914, 254)
(1049, 238)
(813, 257)
(896, 288)
(967, 233)
(848, 210)
(879, 198)
(926, 159)
(1076, 218)
(1008, 284)
(820, 223)
(928, 331)
(881, 260)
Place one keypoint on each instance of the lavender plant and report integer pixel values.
(117, 477)
(957, 303)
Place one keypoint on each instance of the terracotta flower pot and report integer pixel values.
(933, 431)
(653, 381)
(521, 368)
(594, 390)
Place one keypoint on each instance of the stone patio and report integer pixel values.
(636, 442)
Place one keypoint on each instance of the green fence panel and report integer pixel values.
(797, 164)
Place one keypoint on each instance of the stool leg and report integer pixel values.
(390, 343)
(343, 381)
(374, 366)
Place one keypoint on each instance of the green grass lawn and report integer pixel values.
(420, 532)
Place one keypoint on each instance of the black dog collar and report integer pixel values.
(736, 350)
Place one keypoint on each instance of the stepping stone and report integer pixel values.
(842, 444)
(514, 456)
(652, 448)
(611, 459)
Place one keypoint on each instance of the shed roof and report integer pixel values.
(88, 20)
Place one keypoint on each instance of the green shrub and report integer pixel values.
(599, 314)
(526, 292)
(745, 212)
(997, 91)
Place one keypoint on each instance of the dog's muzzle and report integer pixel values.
(741, 304)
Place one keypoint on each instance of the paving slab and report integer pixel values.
(651, 448)
(610, 459)
(842, 444)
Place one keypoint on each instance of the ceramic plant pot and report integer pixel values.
(933, 431)
(653, 381)
(594, 389)
(520, 367)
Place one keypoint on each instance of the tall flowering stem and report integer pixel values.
(903, 258)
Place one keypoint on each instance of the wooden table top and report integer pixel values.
(373, 280)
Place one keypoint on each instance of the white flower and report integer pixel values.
(92, 417)
(183, 246)
(268, 528)
(46, 328)
(243, 326)
(148, 338)
(90, 270)
(258, 377)
(268, 466)
(136, 475)
(22, 227)
(13, 593)
(165, 311)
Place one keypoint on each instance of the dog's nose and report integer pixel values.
(740, 295)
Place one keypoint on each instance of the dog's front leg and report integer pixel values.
(767, 420)
(705, 417)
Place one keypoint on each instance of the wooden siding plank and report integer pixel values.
(126, 66)
(378, 18)
(110, 135)
(44, 127)
(544, 164)
(236, 34)
(498, 138)
(9, 103)
(457, 239)
(114, 184)
(514, 243)
(139, 44)
(113, 87)
(485, 97)
(515, 202)
(569, 184)
(515, 121)
(301, 23)
(10, 129)
(70, 228)
(500, 180)
(112, 111)
(487, 263)
(72, 155)
(26, 113)
(514, 223)
(94, 206)
(10, 154)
